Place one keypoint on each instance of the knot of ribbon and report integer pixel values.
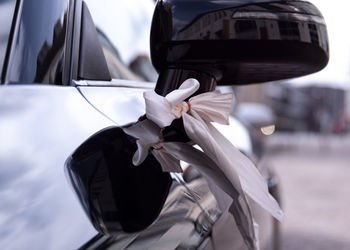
(180, 108)
(211, 106)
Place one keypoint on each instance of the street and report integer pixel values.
(315, 182)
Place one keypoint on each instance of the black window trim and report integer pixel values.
(13, 30)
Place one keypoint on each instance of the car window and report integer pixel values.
(38, 44)
(123, 30)
(7, 8)
(126, 23)
(116, 67)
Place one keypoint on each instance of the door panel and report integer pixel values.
(122, 101)
(40, 126)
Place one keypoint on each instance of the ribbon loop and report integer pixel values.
(211, 106)
(149, 137)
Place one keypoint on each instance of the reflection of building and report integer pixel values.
(50, 56)
(259, 24)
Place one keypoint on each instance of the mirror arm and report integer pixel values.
(171, 79)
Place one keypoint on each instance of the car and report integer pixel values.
(61, 114)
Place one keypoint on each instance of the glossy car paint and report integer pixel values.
(122, 104)
(40, 126)
(238, 42)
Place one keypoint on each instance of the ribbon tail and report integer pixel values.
(140, 154)
(221, 187)
(167, 161)
(198, 132)
(146, 133)
(233, 163)
(253, 184)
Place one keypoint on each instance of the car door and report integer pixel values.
(52, 48)
(43, 119)
(57, 94)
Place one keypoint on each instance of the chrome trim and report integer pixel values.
(115, 83)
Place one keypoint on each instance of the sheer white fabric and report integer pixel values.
(197, 117)
(149, 137)
(170, 153)
(230, 174)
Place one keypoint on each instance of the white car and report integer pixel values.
(66, 177)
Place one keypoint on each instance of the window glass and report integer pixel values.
(126, 24)
(37, 49)
(123, 28)
(117, 69)
(7, 8)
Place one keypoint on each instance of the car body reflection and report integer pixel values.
(116, 195)
(244, 41)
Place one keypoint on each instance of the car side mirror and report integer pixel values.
(234, 42)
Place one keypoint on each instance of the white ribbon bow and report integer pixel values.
(197, 115)
(170, 153)
(222, 164)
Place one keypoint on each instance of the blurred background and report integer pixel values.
(309, 145)
(303, 123)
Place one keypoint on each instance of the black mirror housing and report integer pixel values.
(238, 42)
